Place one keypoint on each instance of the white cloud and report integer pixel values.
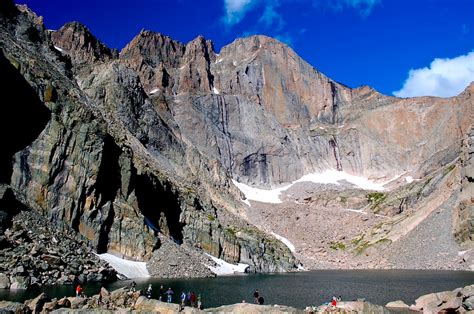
(235, 10)
(443, 78)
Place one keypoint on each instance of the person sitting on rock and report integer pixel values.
(170, 295)
(260, 300)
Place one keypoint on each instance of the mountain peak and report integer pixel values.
(80, 44)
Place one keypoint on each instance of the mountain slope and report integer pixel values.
(148, 141)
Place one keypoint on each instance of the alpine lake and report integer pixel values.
(298, 290)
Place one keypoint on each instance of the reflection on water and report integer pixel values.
(294, 289)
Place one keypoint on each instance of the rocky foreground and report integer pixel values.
(34, 253)
(123, 300)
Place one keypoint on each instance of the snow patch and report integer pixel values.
(285, 241)
(326, 177)
(154, 91)
(59, 49)
(130, 269)
(219, 60)
(334, 176)
(247, 202)
(359, 211)
(224, 268)
(234, 63)
(260, 195)
(215, 91)
(409, 179)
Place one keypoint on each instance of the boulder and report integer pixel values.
(468, 291)
(13, 307)
(397, 305)
(144, 304)
(64, 302)
(469, 303)
(4, 281)
(450, 305)
(50, 306)
(245, 308)
(19, 283)
(51, 259)
(77, 302)
(36, 305)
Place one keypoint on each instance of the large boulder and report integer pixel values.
(397, 305)
(468, 303)
(4, 281)
(19, 283)
(247, 308)
(144, 304)
(13, 307)
(36, 305)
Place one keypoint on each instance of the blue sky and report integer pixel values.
(424, 46)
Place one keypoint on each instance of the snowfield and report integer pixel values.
(326, 177)
(129, 269)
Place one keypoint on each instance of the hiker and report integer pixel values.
(170, 294)
(78, 291)
(162, 293)
(193, 299)
(183, 298)
(132, 286)
(339, 299)
(148, 291)
(334, 302)
(255, 296)
(199, 302)
(260, 300)
(188, 298)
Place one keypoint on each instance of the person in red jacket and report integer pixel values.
(78, 291)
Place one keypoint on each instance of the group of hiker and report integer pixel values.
(186, 299)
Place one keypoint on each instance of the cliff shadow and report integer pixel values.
(160, 206)
(22, 116)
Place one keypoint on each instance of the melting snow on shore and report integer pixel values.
(224, 268)
(130, 269)
(285, 241)
(326, 177)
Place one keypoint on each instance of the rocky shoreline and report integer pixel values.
(126, 300)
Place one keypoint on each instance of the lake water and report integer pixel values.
(294, 289)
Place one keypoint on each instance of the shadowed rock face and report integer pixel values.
(148, 140)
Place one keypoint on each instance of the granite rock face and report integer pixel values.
(121, 147)
(100, 158)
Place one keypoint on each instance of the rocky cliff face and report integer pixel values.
(100, 159)
(122, 146)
